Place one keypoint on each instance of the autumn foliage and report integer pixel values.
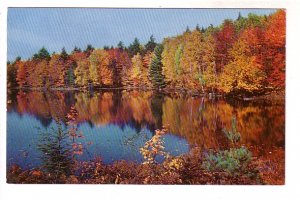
(246, 55)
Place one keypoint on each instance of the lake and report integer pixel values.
(115, 124)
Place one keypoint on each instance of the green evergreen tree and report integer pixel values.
(240, 16)
(64, 55)
(151, 44)
(198, 28)
(187, 29)
(203, 30)
(76, 50)
(121, 45)
(42, 54)
(134, 48)
(155, 72)
(70, 78)
(105, 47)
(89, 47)
(18, 58)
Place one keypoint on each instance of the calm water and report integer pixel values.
(116, 124)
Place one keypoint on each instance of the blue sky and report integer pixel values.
(31, 28)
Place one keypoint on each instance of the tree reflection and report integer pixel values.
(198, 120)
(157, 109)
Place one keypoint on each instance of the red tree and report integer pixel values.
(275, 49)
(21, 73)
(225, 39)
(119, 62)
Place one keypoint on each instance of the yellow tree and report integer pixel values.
(172, 75)
(145, 69)
(191, 57)
(243, 73)
(99, 71)
(178, 67)
(82, 72)
(94, 62)
(137, 64)
(208, 63)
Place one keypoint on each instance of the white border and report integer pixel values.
(291, 189)
(150, 4)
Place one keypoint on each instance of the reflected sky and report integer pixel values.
(110, 142)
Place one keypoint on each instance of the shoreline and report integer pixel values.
(271, 95)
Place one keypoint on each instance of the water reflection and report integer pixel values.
(115, 124)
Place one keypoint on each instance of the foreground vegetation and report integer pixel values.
(245, 56)
(180, 170)
(191, 168)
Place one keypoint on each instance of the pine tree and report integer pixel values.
(187, 29)
(151, 44)
(105, 47)
(70, 76)
(18, 58)
(89, 47)
(64, 55)
(240, 16)
(134, 48)
(203, 30)
(42, 54)
(156, 75)
(121, 45)
(198, 28)
(76, 50)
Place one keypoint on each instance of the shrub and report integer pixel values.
(232, 160)
(154, 147)
(233, 135)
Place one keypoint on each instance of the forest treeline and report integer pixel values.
(246, 55)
